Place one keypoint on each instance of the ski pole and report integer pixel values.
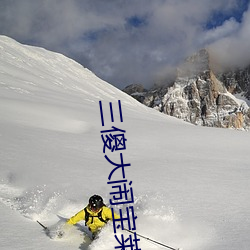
(45, 228)
(159, 243)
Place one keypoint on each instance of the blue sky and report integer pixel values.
(218, 17)
(132, 41)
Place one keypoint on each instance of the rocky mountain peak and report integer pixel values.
(200, 96)
(196, 64)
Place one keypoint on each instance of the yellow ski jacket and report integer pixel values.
(93, 223)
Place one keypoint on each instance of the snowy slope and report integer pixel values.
(191, 184)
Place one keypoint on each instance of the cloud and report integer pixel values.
(123, 42)
(233, 49)
(228, 28)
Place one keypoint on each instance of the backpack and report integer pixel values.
(88, 216)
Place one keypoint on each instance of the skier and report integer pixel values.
(95, 214)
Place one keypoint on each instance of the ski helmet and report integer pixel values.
(95, 202)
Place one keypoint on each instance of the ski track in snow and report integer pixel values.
(41, 204)
(32, 204)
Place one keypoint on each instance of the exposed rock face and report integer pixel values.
(137, 91)
(237, 81)
(199, 97)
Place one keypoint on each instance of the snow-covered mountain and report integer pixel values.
(237, 81)
(201, 95)
(190, 183)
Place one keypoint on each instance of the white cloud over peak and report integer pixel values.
(233, 49)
